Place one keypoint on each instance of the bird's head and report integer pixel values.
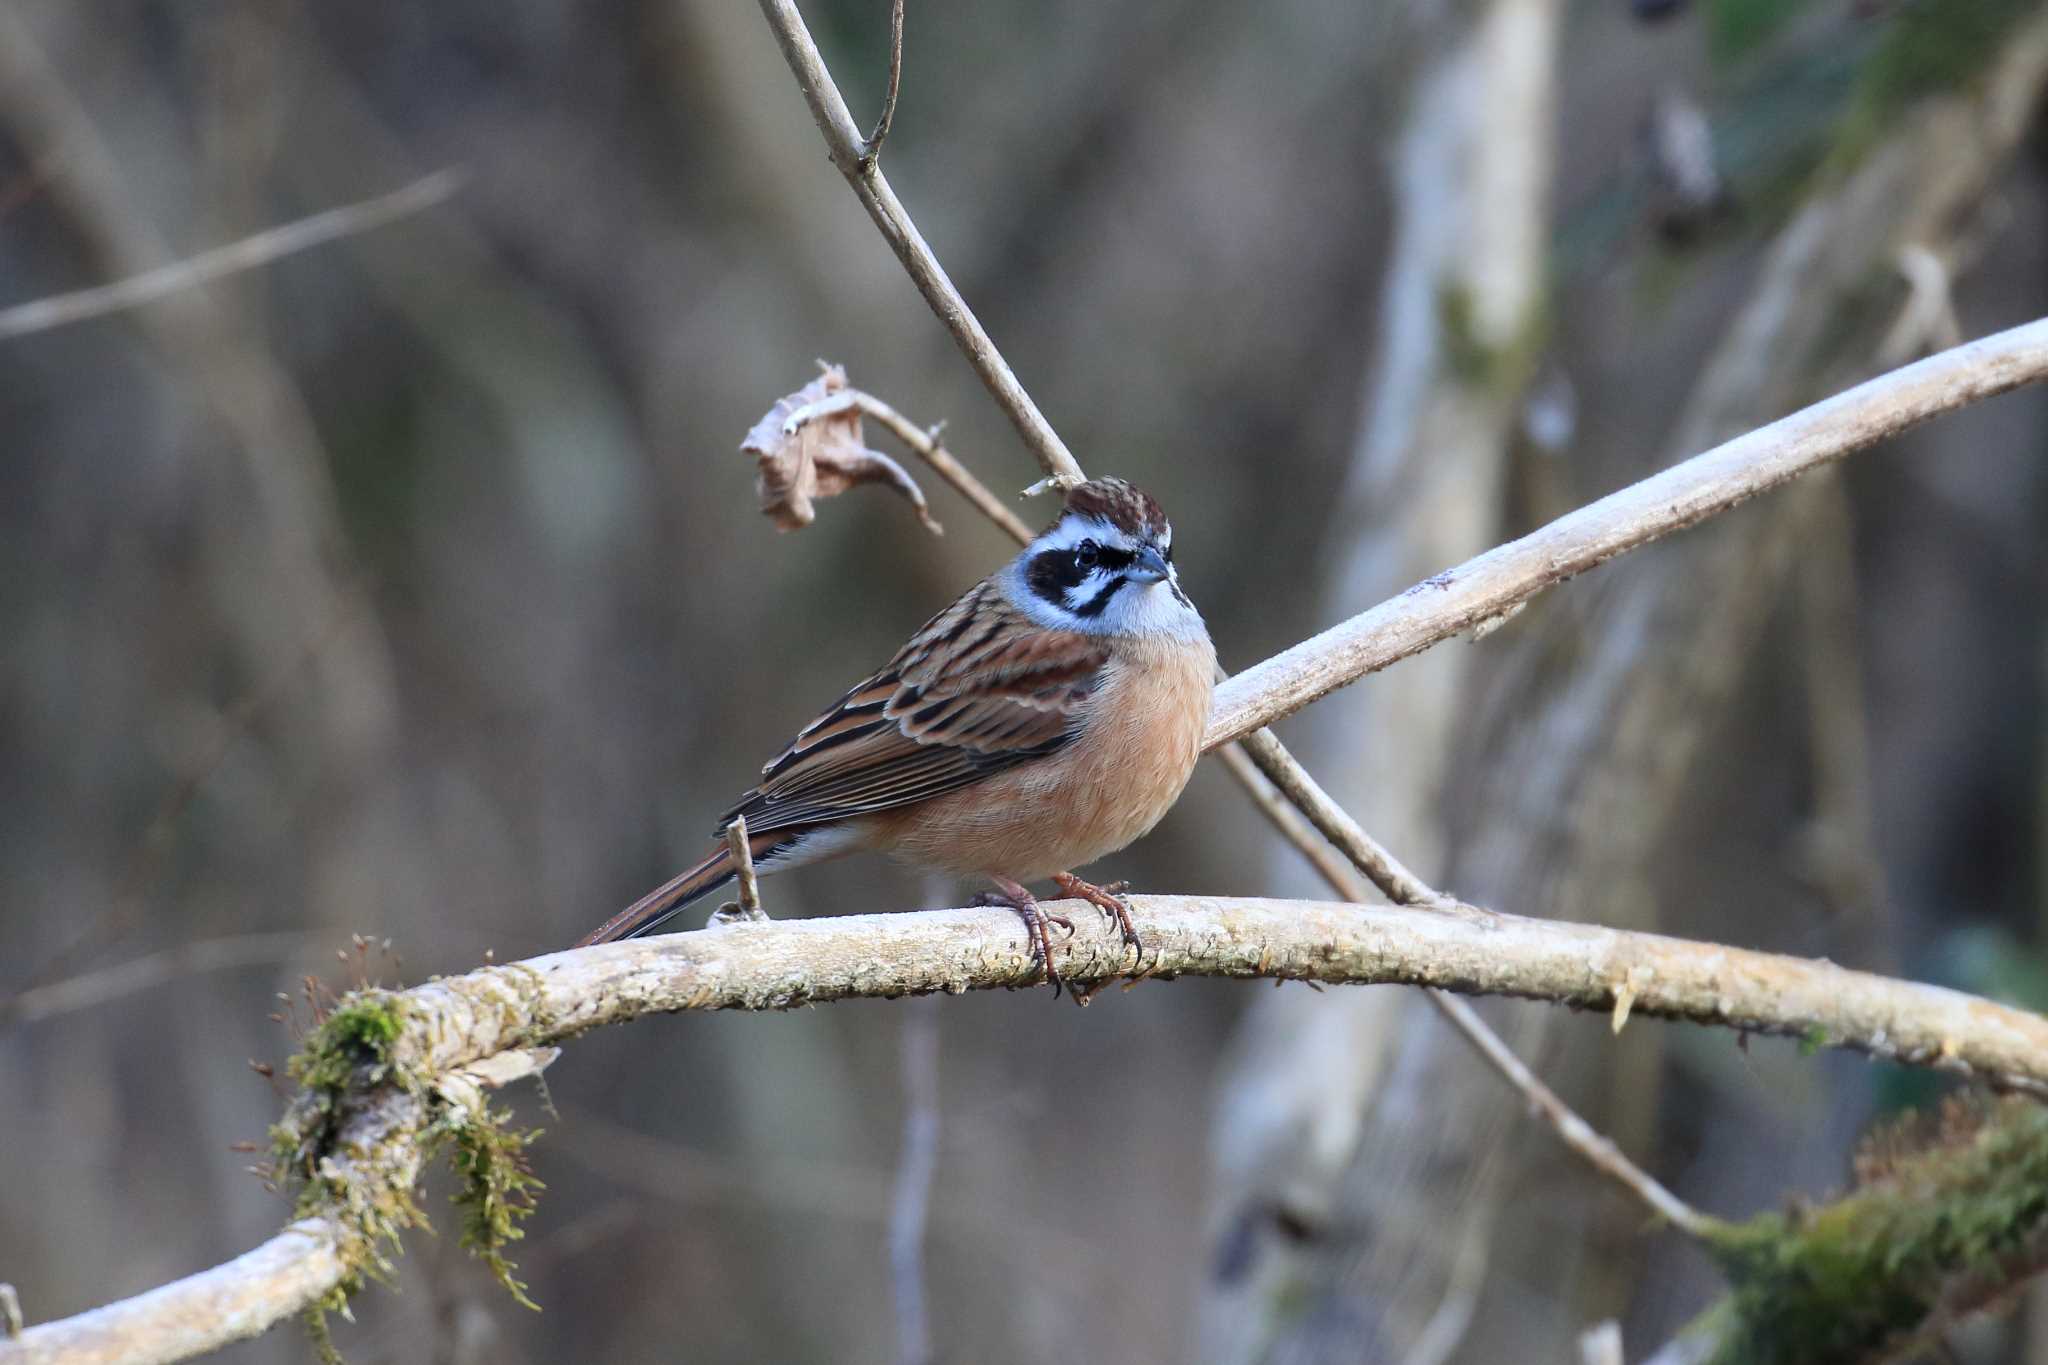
(1105, 567)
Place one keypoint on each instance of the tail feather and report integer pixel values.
(661, 904)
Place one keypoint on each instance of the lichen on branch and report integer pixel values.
(1936, 1234)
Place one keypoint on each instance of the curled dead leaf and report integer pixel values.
(809, 447)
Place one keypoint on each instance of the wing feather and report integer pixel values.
(979, 689)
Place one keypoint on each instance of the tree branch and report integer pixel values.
(873, 151)
(249, 253)
(1500, 580)
(462, 1021)
(850, 154)
(451, 1024)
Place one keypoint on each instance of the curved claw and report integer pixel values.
(1109, 899)
(1037, 925)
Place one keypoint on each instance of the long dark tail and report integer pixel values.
(664, 902)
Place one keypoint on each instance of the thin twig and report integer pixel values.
(873, 151)
(914, 1181)
(1385, 871)
(249, 253)
(743, 867)
(38, 1003)
(1286, 818)
(1598, 1150)
(1403, 887)
(925, 444)
(847, 147)
(1457, 599)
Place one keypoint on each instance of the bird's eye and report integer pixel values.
(1087, 553)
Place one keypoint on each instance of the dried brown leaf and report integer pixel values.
(809, 447)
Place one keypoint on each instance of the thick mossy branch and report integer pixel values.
(1937, 1234)
(358, 1032)
(347, 1069)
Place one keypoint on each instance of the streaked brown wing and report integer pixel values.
(977, 690)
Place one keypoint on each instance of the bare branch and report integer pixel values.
(1683, 495)
(849, 152)
(743, 866)
(1385, 871)
(1403, 887)
(94, 988)
(1598, 1150)
(249, 253)
(925, 443)
(458, 1021)
(873, 151)
(793, 962)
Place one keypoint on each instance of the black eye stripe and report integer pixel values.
(1057, 575)
(1051, 573)
(1107, 557)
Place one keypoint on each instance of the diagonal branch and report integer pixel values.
(250, 253)
(1261, 759)
(1484, 589)
(873, 150)
(850, 154)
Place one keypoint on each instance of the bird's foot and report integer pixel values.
(1037, 924)
(1109, 899)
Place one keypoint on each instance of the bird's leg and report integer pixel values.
(1037, 924)
(1106, 898)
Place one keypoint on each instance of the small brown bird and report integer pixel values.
(1049, 716)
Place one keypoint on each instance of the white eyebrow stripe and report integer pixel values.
(1069, 532)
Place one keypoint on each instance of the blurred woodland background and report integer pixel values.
(413, 587)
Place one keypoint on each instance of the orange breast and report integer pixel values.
(1138, 746)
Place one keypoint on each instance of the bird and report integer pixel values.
(1047, 718)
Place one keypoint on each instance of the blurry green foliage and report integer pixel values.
(1848, 1280)
(1737, 28)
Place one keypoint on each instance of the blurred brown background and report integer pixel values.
(412, 587)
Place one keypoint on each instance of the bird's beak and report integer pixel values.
(1151, 567)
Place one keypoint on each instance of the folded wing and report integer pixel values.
(979, 689)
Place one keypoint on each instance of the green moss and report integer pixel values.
(351, 1046)
(358, 1032)
(317, 1330)
(346, 1061)
(1854, 1277)
(499, 1189)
